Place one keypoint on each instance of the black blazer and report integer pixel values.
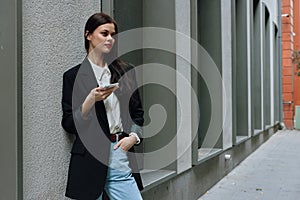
(90, 151)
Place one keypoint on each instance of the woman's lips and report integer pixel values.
(108, 45)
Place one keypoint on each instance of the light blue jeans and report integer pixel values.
(120, 184)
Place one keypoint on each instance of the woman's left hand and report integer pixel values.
(126, 143)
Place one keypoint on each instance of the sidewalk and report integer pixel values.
(272, 172)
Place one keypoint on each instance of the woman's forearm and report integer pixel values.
(87, 105)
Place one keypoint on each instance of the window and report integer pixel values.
(209, 31)
(267, 68)
(240, 72)
(256, 74)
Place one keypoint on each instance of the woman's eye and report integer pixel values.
(105, 34)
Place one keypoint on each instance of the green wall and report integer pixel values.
(11, 115)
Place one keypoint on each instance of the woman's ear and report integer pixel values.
(87, 35)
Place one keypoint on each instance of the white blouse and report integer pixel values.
(112, 104)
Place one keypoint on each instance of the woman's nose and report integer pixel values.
(109, 37)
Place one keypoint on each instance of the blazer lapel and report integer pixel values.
(86, 75)
(89, 82)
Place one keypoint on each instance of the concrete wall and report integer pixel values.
(52, 43)
(184, 115)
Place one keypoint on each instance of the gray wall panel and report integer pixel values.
(10, 120)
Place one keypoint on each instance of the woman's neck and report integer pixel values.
(96, 59)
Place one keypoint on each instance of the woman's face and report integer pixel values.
(101, 40)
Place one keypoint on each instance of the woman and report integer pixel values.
(106, 122)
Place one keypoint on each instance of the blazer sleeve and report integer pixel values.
(70, 113)
(135, 108)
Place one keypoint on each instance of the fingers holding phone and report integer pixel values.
(110, 86)
(97, 94)
(102, 92)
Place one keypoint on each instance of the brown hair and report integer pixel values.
(93, 23)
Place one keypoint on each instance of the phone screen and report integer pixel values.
(110, 86)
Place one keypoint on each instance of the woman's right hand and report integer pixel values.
(99, 93)
(96, 94)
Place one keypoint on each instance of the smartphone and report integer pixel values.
(110, 86)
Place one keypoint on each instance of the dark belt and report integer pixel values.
(116, 137)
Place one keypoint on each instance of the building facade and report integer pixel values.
(209, 71)
(290, 45)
